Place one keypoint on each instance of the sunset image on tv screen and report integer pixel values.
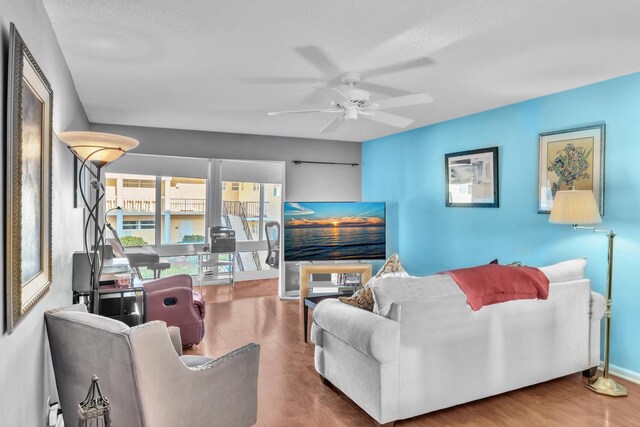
(334, 231)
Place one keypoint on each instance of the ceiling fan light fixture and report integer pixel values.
(350, 112)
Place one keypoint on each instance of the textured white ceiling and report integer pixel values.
(221, 65)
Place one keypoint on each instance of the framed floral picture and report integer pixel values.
(571, 158)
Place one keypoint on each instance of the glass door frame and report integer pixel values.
(216, 213)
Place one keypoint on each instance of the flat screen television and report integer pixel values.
(332, 231)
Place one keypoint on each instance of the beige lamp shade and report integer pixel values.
(575, 207)
(97, 147)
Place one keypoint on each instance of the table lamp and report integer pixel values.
(578, 207)
(95, 149)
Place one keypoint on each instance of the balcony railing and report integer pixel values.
(188, 205)
(149, 206)
(249, 209)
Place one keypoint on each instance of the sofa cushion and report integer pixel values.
(565, 271)
(363, 298)
(193, 361)
(388, 290)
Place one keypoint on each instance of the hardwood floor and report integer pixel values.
(290, 392)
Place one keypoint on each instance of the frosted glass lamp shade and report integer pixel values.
(575, 207)
(97, 147)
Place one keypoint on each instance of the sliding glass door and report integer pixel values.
(246, 207)
(250, 196)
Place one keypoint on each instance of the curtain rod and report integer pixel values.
(299, 162)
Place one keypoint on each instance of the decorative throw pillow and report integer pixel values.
(392, 268)
(363, 298)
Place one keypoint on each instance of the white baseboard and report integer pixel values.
(625, 374)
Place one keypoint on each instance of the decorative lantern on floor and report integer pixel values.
(94, 410)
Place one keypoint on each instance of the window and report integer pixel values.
(247, 212)
(184, 203)
(139, 225)
(138, 183)
(235, 186)
(224, 186)
(180, 211)
(135, 194)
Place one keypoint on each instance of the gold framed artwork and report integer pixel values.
(28, 176)
(568, 158)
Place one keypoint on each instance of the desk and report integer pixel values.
(307, 269)
(312, 300)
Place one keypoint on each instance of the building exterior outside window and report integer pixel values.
(182, 207)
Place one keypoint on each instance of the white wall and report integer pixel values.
(303, 182)
(25, 375)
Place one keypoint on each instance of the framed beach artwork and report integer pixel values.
(472, 178)
(28, 177)
(568, 158)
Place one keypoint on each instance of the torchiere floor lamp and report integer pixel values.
(94, 150)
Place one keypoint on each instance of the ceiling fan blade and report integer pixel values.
(319, 59)
(387, 118)
(403, 101)
(322, 110)
(335, 94)
(279, 80)
(333, 125)
(382, 89)
(400, 66)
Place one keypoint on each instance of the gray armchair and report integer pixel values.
(144, 376)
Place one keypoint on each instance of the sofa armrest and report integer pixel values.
(596, 311)
(598, 306)
(174, 334)
(373, 335)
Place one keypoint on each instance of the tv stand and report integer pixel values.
(307, 269)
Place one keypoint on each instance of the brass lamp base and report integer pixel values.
(606, 386)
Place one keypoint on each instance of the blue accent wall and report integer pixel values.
(407, 171)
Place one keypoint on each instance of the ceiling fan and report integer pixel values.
(351, 103)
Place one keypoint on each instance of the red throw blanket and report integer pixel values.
(493, 283)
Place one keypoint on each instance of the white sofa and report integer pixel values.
(436, 352)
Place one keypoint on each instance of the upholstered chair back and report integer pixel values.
(83, 345)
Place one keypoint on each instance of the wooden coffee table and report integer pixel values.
(312, 300)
